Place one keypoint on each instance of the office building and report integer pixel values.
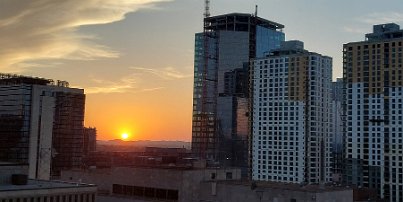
(41, 124)
(221, 84)
(292, 114)
(372, 72)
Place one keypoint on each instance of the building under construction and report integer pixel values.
(41, 124)
(220, 130)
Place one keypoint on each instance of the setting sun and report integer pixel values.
(124, 136)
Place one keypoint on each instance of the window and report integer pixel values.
(228, 175)
(213, 176)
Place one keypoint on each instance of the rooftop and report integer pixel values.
(10, 79)
(41, 184)
(217, 22)
(288, 186)
(385, 31)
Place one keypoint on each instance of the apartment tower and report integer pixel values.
(221, 84)
(372, 71)
(292, 113)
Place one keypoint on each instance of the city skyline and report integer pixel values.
(137, 67)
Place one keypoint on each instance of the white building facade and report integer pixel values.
(373, 74)
(291, 123)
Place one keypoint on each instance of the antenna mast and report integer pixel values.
(207, 8)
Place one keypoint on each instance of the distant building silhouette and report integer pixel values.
(90, 140)
(41, 123)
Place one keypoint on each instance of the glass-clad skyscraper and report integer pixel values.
(221, 84)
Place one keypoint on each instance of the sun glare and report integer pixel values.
(124, 136)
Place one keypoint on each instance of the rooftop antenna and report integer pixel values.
(255, 10)
(207, 8)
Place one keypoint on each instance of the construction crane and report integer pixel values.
(208, 100)
(207, 8)
(204, 112)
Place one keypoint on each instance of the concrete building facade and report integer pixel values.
(292, 113)
(150, 183)
(373, 74)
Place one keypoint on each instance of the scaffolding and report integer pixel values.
(13, 79)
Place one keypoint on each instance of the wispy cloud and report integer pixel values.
(354, 30)
(168, 73)
(47, 29)
(361, 23)
(124, 85)
(134, 82)
(381, 17)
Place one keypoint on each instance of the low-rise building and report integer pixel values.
(180, 184)
(240, 191)
(15, 186)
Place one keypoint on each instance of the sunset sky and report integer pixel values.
(134, 58)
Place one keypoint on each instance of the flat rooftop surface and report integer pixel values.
(288, 186)
(42, 184)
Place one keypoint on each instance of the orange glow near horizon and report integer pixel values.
(150, 116)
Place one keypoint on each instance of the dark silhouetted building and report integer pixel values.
(90, 140)
(41, 124)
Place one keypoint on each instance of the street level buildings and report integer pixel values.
(223, 51)
(292, 113)
(373, 75)
(197, 184)
(41, 124)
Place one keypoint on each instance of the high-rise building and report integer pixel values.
(221, 91)
(292, 115)
(41, 124)
(373, 75)
(337, 129)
